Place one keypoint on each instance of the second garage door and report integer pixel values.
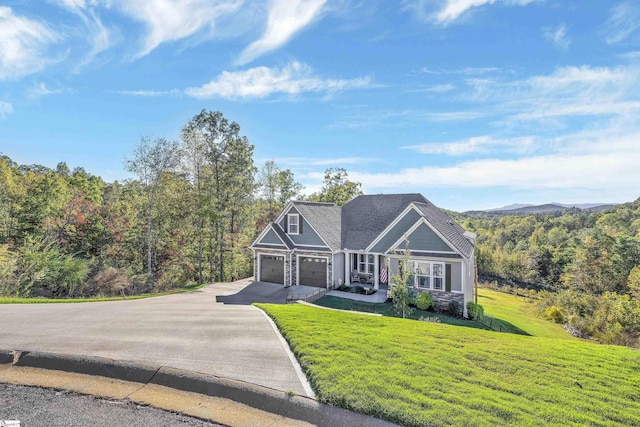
(313, 272)
(272, 269)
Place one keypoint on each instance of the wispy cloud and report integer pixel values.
(445, 12)
(557, 36)
(150, 93)
(623, 22)
(5, 108)
(476, 145)
(41, 89)
(24, 44)
(311, 161)
(285, 18)
(260, 82)
(95, 32)
(173, 20)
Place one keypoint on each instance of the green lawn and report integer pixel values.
(517, 311)
(429, 374)
(13, 300)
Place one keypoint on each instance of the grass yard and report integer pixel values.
(517, 311)
(387, 309)
(13, 300)
(430, 374)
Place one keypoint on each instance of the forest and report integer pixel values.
(582, 269)
(196, 204)
(188, 218)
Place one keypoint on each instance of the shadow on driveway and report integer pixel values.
(257, 292)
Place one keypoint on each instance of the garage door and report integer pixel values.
(313, 272)
(272, 269)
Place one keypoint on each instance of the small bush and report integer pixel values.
(454, 309)
(111, 281)
(424, 301)
(554, 313)
(474, 310)
(432, 319)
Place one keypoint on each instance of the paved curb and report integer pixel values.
(263, 398)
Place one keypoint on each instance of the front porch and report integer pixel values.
(365, 269)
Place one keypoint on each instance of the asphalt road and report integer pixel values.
(190, 331)
(35, 407)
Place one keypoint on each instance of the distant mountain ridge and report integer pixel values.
(526, 209)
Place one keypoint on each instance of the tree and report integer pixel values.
(336, 188)
(277, 187)
(150, 160)
(400, 292)
(230, 181)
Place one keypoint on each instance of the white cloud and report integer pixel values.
(623, 22)
(260, 82)
(440, 88)
(41, 89)
(150, 93)
(476, 145)
(448, 11)
(607, 165)
(558, 36)
(98, 35)
(23, 44)
(5, 108)
(285, 18)
(311, 161)
(173, 20)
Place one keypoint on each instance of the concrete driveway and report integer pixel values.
(189, 331)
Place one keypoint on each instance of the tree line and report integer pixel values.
(586, 266)
(188, 218)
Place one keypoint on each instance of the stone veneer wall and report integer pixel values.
(442, 298)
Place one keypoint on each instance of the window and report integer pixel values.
(293, 223)
(429, 275)
(366, 263)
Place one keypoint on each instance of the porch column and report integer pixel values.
(376, 272)
(347, 268)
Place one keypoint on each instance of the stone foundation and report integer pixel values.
(441, 299)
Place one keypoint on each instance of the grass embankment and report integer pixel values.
(387, 309)
(13, 300)
(421, 373)
(517, 311)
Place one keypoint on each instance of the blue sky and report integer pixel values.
(474, 103)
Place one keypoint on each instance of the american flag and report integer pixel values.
(383, 275)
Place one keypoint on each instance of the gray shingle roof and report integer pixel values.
(451, 230)
(359, 222)
(324, 218)
(365, 217)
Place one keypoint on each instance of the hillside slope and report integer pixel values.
(427, 374)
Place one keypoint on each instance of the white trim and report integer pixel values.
(425, 258)
(284, 267)
(264, 233)
(310, 246)
(393, 224)
(326, 275)
(415, 226)
(284, 212)
(289, 217)
(431, 275)
(269, 244)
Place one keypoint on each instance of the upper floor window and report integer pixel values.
(293, 221)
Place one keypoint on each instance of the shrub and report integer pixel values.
(454, 309)
(474, 310)
(554, 313)
(111, 281)
(424, 301)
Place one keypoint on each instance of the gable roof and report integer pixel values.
(447, 227)
(325, 220)
(281, 235)
(365, 217)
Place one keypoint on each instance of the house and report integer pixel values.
(324, 245)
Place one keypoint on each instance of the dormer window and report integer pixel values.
(294, 224)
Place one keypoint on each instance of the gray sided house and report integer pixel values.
(324, 245)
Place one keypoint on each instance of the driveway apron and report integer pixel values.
(186, 331)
